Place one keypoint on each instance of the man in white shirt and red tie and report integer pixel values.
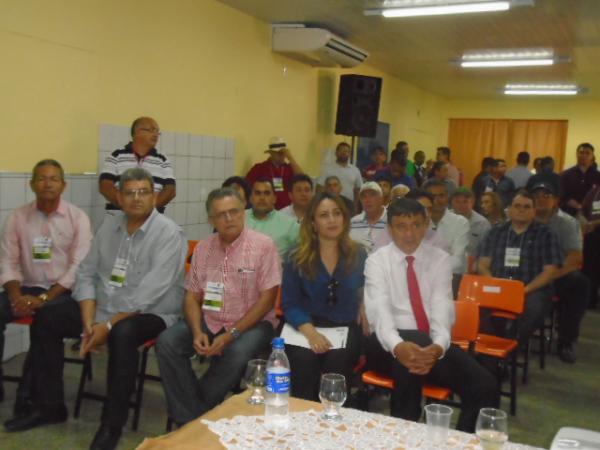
(408, 299)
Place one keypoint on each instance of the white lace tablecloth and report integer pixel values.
(358, 430)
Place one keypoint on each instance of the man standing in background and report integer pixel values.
(140, 152)
(520, 173)
(277, 170)
(348, 174)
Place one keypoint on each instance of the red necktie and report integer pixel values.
(415, 296)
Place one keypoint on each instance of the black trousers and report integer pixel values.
(7, 316)
(457, 370)
(55, 322)
(591, 263)
(573, 291)
(307, 366)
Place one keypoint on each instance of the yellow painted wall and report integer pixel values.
(195, 65)
(583, 116)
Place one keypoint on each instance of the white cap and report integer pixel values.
(371, 186)
(276, 144)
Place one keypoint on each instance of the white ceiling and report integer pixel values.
(418, 50)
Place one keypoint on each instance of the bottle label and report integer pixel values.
(278, 382)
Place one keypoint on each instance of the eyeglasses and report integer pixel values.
(542, 195)
(142, 193)
(524, 207)
(151, 130)
(224, 215)
(332, 290)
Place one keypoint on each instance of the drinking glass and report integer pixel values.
(492, 428)
(333, 395)
(438, 422)
(255, 378)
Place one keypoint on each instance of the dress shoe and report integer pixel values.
(566, 352)
(106, 438)
(32, 420)
(23, 407)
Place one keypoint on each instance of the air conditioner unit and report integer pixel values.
(316, 46)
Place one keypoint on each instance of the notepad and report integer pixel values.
(338, 336)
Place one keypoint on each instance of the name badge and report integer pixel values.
(488, 189)
(596, 207)
(213, 296)
(42, 250)
(119, 273)
(512, 257)
(278, 184)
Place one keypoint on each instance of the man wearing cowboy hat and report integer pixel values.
(276, 169)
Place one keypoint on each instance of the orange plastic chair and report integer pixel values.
(191, 246)
(278, 310)
(505, 298)
(464, 334)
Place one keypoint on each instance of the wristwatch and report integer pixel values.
(43, 297)
(235, 332)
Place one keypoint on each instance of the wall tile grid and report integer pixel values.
(200, 164)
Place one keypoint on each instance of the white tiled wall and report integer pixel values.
(200, 163)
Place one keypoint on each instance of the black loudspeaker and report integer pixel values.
(358, 105)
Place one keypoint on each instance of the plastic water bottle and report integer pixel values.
(277, 397)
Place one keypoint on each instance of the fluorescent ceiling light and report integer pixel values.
(508, 58)
(542, 89)
(416, 8)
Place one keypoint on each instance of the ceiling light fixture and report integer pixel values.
(413, 8)
(508, 58)
(542, 89)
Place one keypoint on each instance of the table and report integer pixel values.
(361, 427)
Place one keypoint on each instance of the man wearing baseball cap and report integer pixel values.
(570, 284)
(276, 169)
(366, 227)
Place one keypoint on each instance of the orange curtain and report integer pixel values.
(473, 139)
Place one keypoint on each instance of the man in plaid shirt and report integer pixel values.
(525, 250)
(228, 308)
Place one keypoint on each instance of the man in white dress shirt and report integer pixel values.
(408, 300)
(453, 228)
(301, 193)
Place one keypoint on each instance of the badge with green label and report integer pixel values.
(118, 273)
(512, 257)
(213, 296)
(42, 250)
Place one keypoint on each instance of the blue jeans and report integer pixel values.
(188, 397)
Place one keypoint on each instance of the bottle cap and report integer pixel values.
(278, 343)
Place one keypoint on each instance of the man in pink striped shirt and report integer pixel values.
(41, 247)
(228, 308)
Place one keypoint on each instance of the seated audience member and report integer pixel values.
(301, 193)
(333, 185)
(545, 174)
(481, 179)
(571, 285)
(452, 227)
(462, 203)
(520, 173)
(379, 161)
(323, 281)
(140, 152)
(228, 308)
(397, 170)
(420, 170)
(384, 180)
(439, 172)
(491, 208)
(42, 244)
(526, 250)
(276, 169)
(443, 155)
(399, 191)
(589, 217)
(348, 175)
(129, 289)
(499, 183)
(263, 217)
(241, 186)
(432, 237)
(366, 226)
(408, 301)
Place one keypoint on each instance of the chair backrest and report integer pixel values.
(191, 246)
(466, 324)
(278, 310)
(494, 293)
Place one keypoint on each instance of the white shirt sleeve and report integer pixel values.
(441, 316)
(378, 301)
(458, 250)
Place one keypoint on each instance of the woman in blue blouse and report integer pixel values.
(322, 287)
